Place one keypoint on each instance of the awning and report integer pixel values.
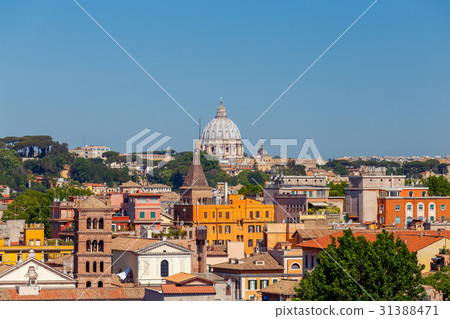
(318, 204)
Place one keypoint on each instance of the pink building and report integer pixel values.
(144, 209)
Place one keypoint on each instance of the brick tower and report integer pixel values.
(92, 251)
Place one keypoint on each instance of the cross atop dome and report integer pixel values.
(221, 110)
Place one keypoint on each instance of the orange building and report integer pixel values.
(235, 219)
(242, 219)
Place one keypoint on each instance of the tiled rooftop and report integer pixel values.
(282, 287)
(170, 289)
(257, 262)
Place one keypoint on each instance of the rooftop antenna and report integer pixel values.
(199, 127)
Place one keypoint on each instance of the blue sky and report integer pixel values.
(383, 89)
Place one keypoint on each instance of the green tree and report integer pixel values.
(438, 186)
(358, 270)
(440, 281)
(250, 188)
(9, 161)
(34, 206)
(338, 189)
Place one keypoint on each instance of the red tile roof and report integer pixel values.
(78, 294)
(170, 289)
(414, 240)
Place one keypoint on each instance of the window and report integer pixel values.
(1, 258)
(100, 284)
(381, 207)
(306, 261)
(250, 243)
(89, 224)
(257, 214)
(227, 229)
(220, 229)
(382, 194)
(263, 283)
(411, 193)
(267, 214)
(94, 266)
(164, 268)
(258, 228)
(141, 200)
(101, 267)
(431, 206)
(310, 194)
(113, 227)
(424, 194)
(88, 284)
(295, 266)
(220, 215)
(251, 229)
(227, 215)
(142, 215)
(100, 245)
(381, 220)
(153, 215)
(397, 220)
(251, 214)
(87, 266)
(274, 280)
(397, 208)
(205, 215)
(442, 219)
(213, 215)
(31, 242)
(214, 230)
(442, 207)
(409, 207)
(251, 284)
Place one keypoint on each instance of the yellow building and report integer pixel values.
(242, 219)
(33, 238)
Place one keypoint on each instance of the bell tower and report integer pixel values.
(93, 237)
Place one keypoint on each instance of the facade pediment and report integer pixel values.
(46, 275)
(163, 247)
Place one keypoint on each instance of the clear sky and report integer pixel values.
(383, 89)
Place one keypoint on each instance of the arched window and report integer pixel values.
(95, 223)
(88, 284)
(94, 266)
(94, 246)
(101, 266)
(88, 245)
(89, 224)
(100, 245)
(100, 284)
(295, 266)
(100, 223)
(164, 268)
(87, 266)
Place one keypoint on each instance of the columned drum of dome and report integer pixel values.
(221, 137)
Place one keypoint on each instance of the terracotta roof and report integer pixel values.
(170, 289)
(59, 261)
(313, 233)
(257, 262)
(181, 276)
(130, 184)
(414, 241)
(115, 281)
(141, 194)
(282, 287)
(131, 243)
(4, 267)
(78, 293)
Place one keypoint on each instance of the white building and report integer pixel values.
(90, 151)
(47, 277)
(149, 260)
